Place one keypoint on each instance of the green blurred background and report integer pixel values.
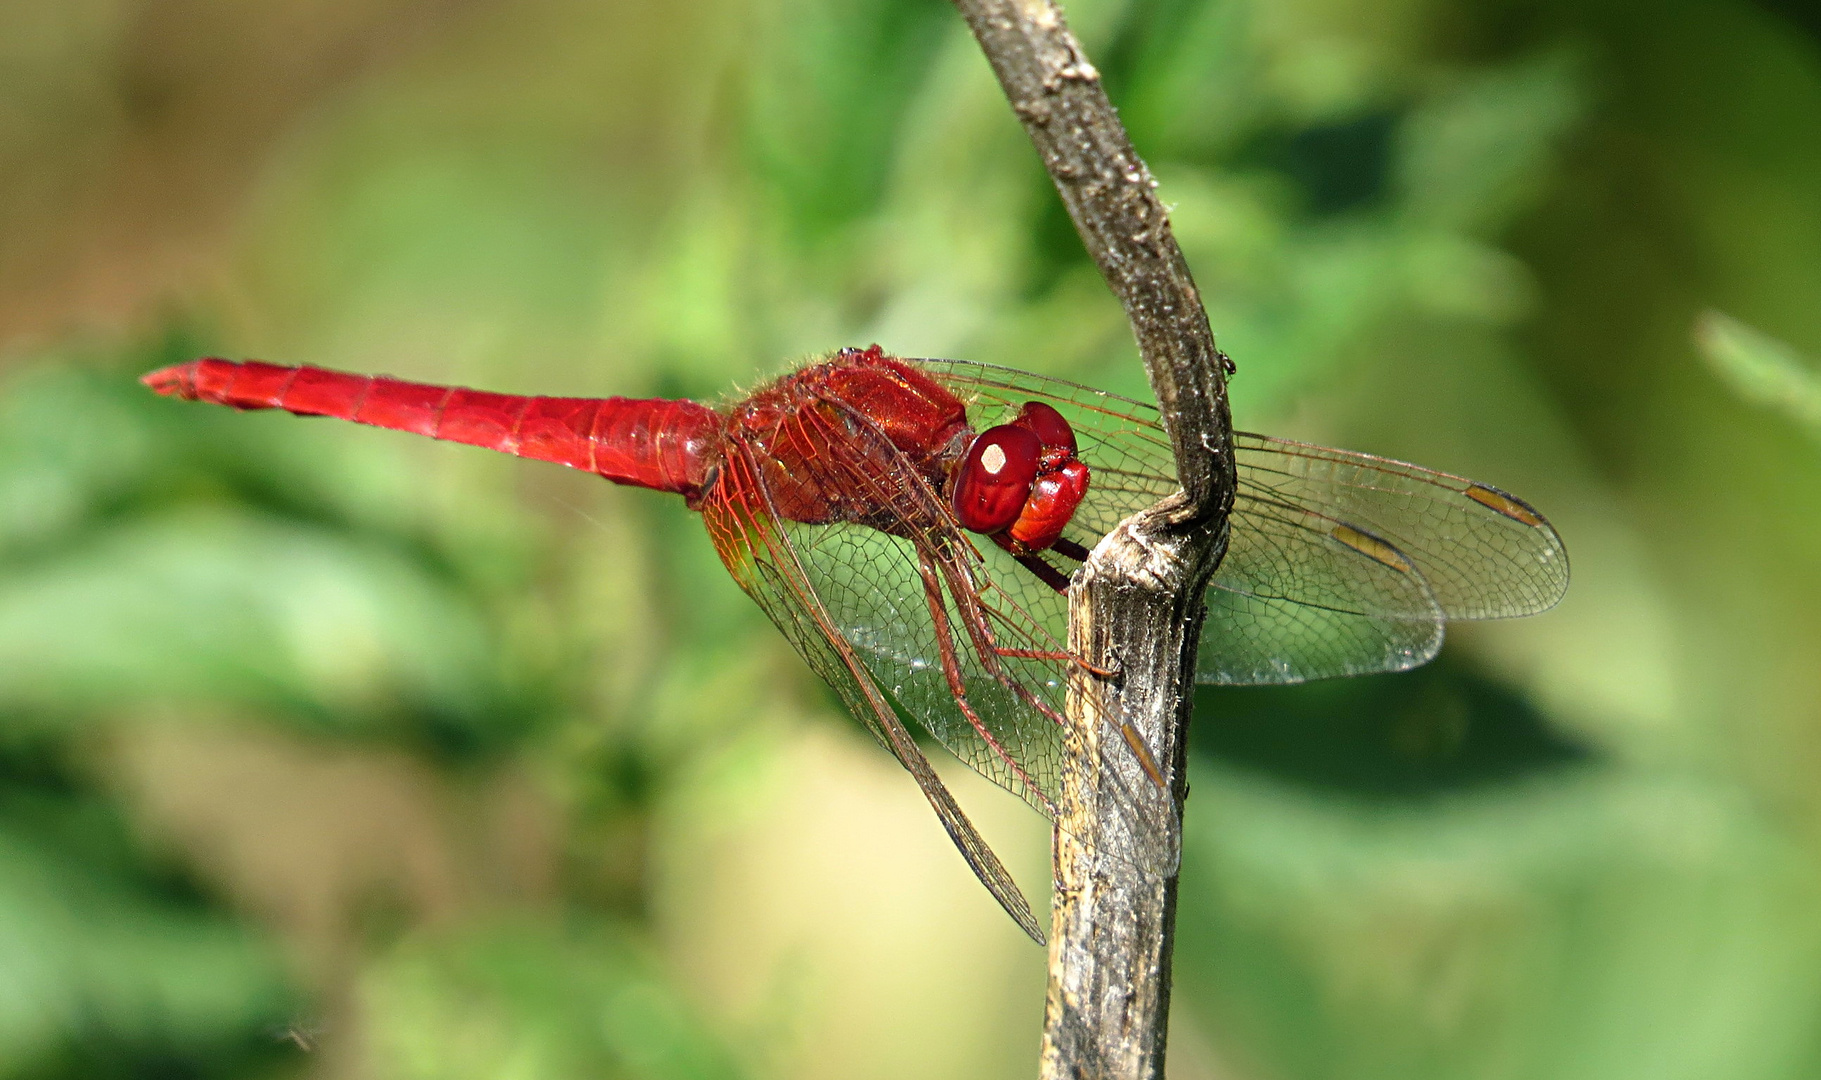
(332, 752)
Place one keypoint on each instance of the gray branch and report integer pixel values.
(1135, 608)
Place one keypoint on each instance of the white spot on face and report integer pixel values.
(993, 459)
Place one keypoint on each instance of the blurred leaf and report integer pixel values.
(1761, 369)
(527, 1001)
(1439, 730)
(214, 605)
(1474, 156)
(1597, 926)
(88, 956)
(827, 101)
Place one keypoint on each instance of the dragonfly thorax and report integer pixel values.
(834, 441)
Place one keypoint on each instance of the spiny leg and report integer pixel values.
(1057, 654)
(1046, 573)
(951, 671)
(979, 627)
(1056, 580)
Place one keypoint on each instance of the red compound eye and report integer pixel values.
(995, 478)
(1048, 425)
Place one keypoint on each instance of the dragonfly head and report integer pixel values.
(1021, 482)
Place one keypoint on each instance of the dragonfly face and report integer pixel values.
(1021, 482)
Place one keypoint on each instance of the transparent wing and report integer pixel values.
(1337, 563)
(1342, 563)
(762, 559)
(1485, 554)
(872, 585)
(1255, 641)
(1304, 594)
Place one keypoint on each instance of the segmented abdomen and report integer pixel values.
(647, 442)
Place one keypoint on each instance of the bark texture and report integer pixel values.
(1136, 605)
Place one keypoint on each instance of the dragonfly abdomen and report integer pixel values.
(653, 443)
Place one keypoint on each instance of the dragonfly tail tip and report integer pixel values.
(178, 380)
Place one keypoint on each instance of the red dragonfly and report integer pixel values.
(910, 526)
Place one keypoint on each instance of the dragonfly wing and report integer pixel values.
(1303, 594)
(1256, 641)
(871, 586)
(1343, 563)
(765, 562)
(1485, 554)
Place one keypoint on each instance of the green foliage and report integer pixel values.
(525, 1000)
(100, 941)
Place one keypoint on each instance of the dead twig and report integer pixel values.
(1136, 605)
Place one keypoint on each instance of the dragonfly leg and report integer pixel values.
(979, 627)
(980, 631)
(1109, 674)
(1055, 579)
(951, 671)
(1046, 573)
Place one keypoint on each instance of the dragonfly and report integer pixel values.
(910, 525)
